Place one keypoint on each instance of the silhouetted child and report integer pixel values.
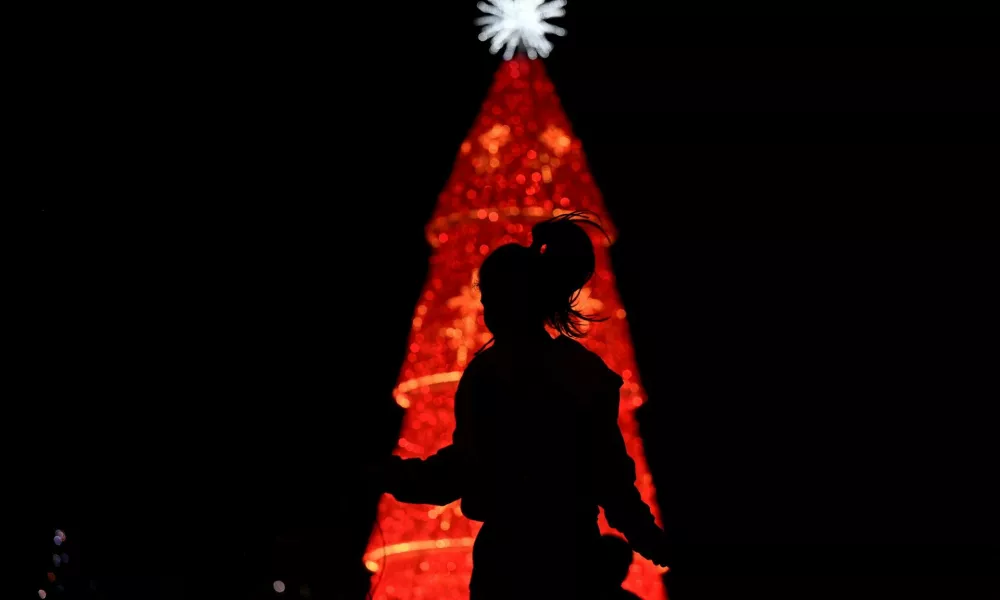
(614, 558)
(536, 447)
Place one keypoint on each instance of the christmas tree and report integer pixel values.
(520, 164)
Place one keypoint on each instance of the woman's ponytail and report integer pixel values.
(566, 261)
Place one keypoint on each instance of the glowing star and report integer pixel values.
(556, 139)
(495, 138)
(520, 23)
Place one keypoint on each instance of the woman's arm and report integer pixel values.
(425, 481)
(438, 479)
(616, 491)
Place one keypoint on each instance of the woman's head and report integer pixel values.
(526, 287)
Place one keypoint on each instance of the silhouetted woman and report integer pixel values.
(536, 446)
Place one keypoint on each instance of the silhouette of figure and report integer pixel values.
(536, 447)
(613, 561)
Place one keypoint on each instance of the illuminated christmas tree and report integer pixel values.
(519, 164)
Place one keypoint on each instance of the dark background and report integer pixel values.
(232, 236)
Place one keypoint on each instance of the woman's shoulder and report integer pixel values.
(577, 351)
(587, 361)
(481, 362)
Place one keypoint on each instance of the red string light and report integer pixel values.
(519, 164)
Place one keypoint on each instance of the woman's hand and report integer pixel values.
(662, 556)
(378, 474)
(654, 546)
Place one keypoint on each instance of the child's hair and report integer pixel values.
(549, 274)
(567, 261)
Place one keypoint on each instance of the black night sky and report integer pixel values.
(233, 236)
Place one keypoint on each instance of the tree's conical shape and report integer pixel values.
(519, 164)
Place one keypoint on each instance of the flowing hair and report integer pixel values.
(566, 259)
(546, 278)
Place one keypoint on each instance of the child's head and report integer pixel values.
(614, 559)
(525, 288)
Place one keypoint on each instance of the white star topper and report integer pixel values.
(520, 22)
